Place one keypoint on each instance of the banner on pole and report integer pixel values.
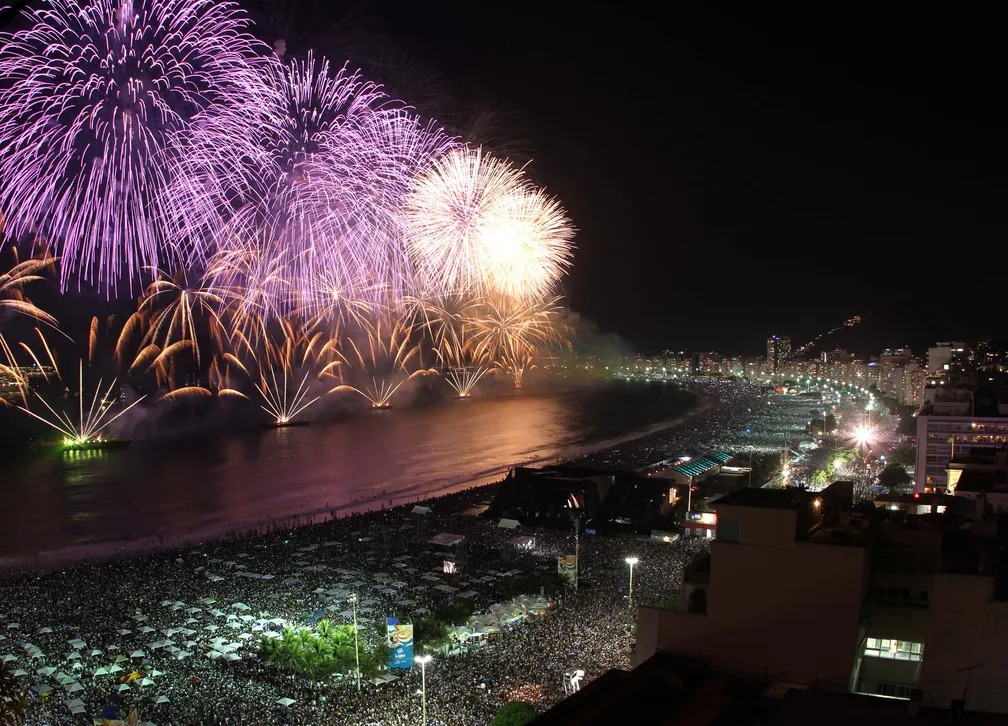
(400, 643)
(567, 568)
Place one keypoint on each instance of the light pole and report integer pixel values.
(423, 660)
(356, 646)
(631, 561)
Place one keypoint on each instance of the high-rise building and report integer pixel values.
(778, 350)
(940, 356)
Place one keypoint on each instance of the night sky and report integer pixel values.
(731, 175)
(735, 176)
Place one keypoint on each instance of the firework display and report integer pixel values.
(294, 233)
(98, 99)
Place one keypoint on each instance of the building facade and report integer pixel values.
(890, 603)
(941, 438)
(778, 350)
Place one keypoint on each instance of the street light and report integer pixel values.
(423, 660)
(356, 646)
(631, 561)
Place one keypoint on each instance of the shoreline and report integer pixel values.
(94, 552)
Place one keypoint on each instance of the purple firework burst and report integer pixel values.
(97, 100)
(328, 159)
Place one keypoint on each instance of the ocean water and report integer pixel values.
(168, 488)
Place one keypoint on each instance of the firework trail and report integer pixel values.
(280, 370)
(12, 300)
(512, 334)
(248, 279)
(476, 225)
(86, 427)
(326, 163)
(12, 284)
(80, 424)
(98, 100)
(451, 323)
(175, 309)
(381, 356)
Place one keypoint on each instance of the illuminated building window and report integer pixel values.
(893, 649)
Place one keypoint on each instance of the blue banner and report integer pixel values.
(400, 643)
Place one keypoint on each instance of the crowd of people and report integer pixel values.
(186, 623)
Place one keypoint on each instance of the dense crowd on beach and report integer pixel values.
(186, 623)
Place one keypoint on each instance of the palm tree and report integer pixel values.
(13, 704)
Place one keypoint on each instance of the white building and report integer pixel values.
(942, 438)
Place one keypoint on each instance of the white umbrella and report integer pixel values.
(137, 654)
(123, 687)
(100, 672)
(73, 688)
(77, 708)
(183, 654)
(146, 682)
(161, 699)
(155, 673)
(286, 701)
(20, 672)
(120, 658)
(73, 656)
(9, 657)
(45, 629)
(116, 669)
(94, 652)
(241, 606)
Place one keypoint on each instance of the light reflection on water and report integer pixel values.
(182, 485)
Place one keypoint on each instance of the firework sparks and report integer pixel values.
(12, 284)
(511, 334)
(86, 427)
(326, 162)
(176, 308)
(450, 322)
(528, 241)
(446, 209)
(476, 225)
(280, 371)
(100, 98)
(381, 358)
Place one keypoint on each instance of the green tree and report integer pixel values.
(893, 477)
(907, 456)
(432, 633)
(13, 704)
(515, 713)
(821, 477)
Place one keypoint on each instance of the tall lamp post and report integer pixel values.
(423, 660)
(631, 561)
(356, 645)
